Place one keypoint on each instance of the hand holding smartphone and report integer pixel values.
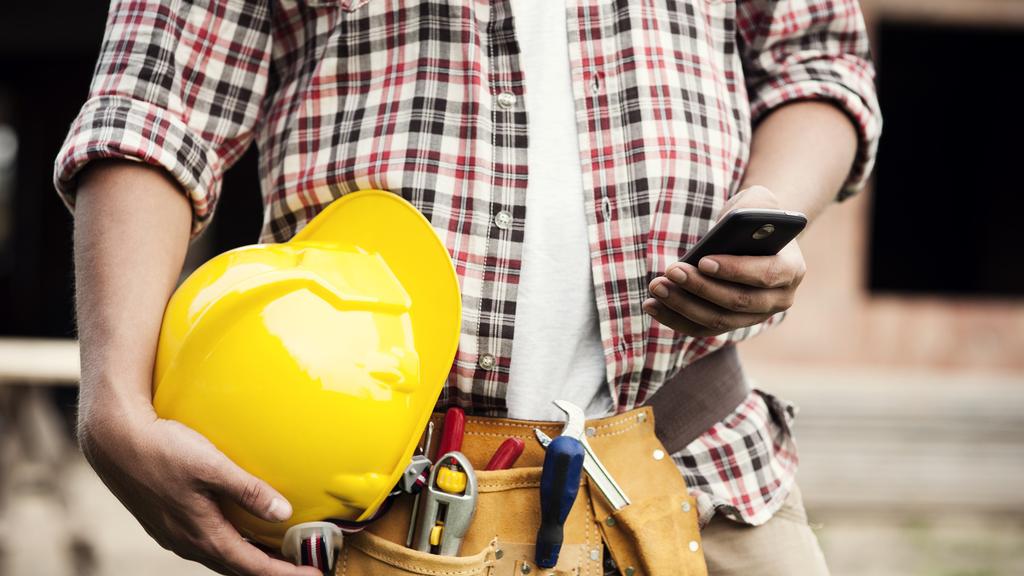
(731, 291)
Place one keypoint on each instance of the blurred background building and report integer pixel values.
(905, 350)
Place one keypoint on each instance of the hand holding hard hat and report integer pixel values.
(315, 364)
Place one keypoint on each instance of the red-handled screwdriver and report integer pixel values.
(450, 477)
(506, 454)
(451, 433)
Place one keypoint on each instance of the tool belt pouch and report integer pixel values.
(657, 534)
(366, 553)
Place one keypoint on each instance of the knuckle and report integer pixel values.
(215, 545)
(207, 471)
(785, 303)
(773, 274)
(196, 539)
(799, 273)
(252, 492)
(718, 322)
(742, 301)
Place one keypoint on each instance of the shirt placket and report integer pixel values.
(611, 218)
(504, 203)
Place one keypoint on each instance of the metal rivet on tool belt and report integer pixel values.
(499, 553)
(658, 454)
(503, 219)
(686, 506)
(630, 571)
(591, 431)
(525, 568)
(595, 554)
(506, 100)
(641, 417)
(486, 361)
(609, 521)
(694, 546)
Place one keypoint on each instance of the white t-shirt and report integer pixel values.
(557, 351)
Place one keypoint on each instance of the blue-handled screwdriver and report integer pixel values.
(559, 483)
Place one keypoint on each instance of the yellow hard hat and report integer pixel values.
(315, 364)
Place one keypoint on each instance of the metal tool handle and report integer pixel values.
(597, 472)
(452, 513)
(605, 483)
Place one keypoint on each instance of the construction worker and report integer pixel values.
(568, 154)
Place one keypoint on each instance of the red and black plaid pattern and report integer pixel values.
(425, 98)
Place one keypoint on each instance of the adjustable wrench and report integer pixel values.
(591, 464)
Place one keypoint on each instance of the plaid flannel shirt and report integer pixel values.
(425, 98)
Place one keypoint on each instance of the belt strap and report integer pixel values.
(698, 397)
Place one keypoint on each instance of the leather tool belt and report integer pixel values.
(657, 534)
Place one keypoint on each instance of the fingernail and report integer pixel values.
(677, 275)
(279, 510)
(708, 265)
(660, 290)
(650, 307)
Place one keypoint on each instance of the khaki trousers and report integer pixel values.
(783, 546)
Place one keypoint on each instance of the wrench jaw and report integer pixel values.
(575, 417)
(313, 544)
(591, 464)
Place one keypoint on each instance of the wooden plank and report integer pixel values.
(39, 361)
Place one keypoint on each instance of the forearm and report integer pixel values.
(803, 153)
(131, 233)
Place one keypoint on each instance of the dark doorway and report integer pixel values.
(948, 209)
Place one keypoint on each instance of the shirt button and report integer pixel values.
(503, 220)
(606, 207)
(486, 361)
(506, 100)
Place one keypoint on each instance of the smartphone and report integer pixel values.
(748, 232)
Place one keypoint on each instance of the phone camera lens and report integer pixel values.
(764, 232)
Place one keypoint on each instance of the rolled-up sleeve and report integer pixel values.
(179, 85)
(812, 50)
